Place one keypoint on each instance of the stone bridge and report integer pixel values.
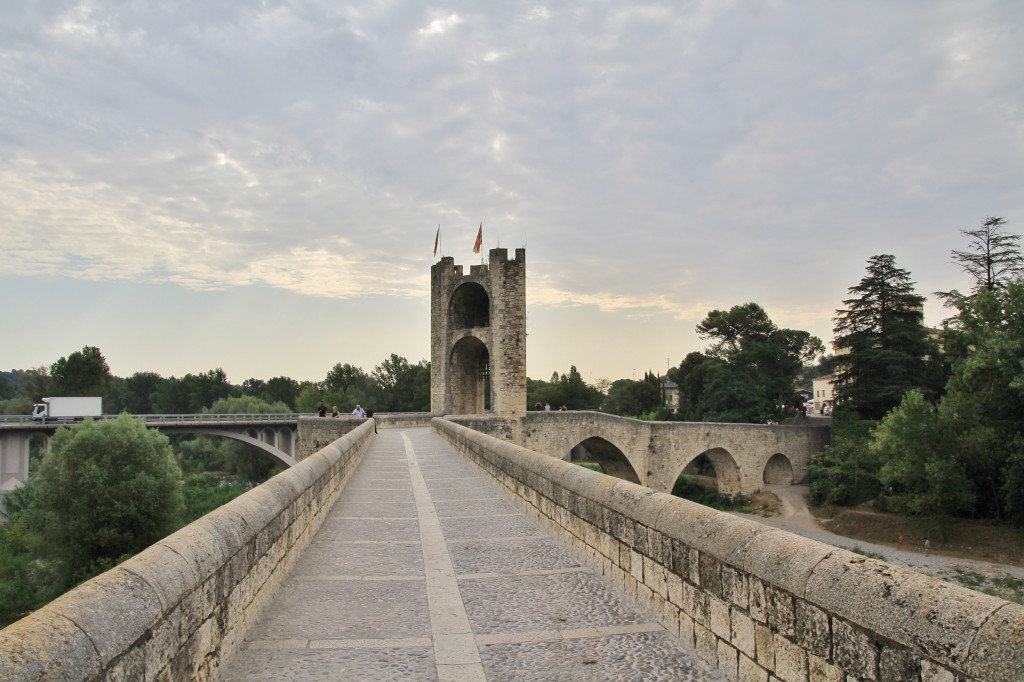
(744, 457)
(427, 566)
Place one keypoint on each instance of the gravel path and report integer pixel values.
(797, 518)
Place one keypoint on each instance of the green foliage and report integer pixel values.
(689, 488)
(563, 389)
(747, 372)
(205, 492)
(922, 473)
(246, 404)
(105, 490)
(632, 398)
(882, 329)
(846, 473)
(82, 373)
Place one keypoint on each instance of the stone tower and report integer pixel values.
(478, 336)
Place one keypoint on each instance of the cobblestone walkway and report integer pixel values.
(425, 570)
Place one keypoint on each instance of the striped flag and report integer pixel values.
(479, 239)
(437, 238)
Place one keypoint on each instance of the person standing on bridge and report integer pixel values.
(322, 410)
(335, 412)
(369, 415)
(359, 412)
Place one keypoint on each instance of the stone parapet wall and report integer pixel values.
(759, 603)
(175, 610)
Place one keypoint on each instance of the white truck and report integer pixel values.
(68, 408)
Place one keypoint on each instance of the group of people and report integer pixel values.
(357, 412)
(547, 407)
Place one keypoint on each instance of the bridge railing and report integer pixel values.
(756, 601)
(164, 419)
(173, 611)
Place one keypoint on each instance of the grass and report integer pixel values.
(857, 549)
(1004, 586)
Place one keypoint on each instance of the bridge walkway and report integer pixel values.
(426, 570)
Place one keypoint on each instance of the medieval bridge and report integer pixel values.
(744, 456)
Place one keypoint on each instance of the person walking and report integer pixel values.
(899, 542)
(927, 546)
(369, 415)
(322, 410)
(359, 412)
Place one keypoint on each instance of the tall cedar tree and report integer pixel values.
(882, 342)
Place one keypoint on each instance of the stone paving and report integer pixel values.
(426, 570)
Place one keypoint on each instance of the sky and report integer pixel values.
(256, 186)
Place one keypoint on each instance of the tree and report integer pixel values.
(282, 389)
(885, 341)
(105, 490)
(630, 398)
(992, 258)
(922, 471)
(139, 390)
(82, 373)
(759, 363)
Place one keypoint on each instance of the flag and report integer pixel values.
(437, 238)
(479, 239)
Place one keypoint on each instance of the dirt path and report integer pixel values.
(796, 518)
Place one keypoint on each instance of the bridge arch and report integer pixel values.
(778, 470)
(608, 455)
(726, 469)
(276, 453)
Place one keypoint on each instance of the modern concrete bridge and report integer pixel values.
(387, 556)
(274, 434)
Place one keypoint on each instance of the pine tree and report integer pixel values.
(881, 342)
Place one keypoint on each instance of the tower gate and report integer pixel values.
(478, 336)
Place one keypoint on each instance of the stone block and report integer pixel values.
(933, 672)
(711, 575)
(896, 664)
(46, 645)
(743, 633)
(705, 644)
(820, 670)
(790, 660)
(721, 622)
(734, 585)
(686, 629)
(654, 577)
(813, 630)
(728, 661)
(933, 617)
(114, 610)
(764, 641)
(674, 588)
(749, 671)
(998, 650)
(854, 650)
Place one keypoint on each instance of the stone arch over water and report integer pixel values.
(611, 458)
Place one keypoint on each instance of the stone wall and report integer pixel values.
(175, 610)
(316, 433)
(759, 603)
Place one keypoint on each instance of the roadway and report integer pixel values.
(426, 570)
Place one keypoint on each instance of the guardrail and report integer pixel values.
(163, 419)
